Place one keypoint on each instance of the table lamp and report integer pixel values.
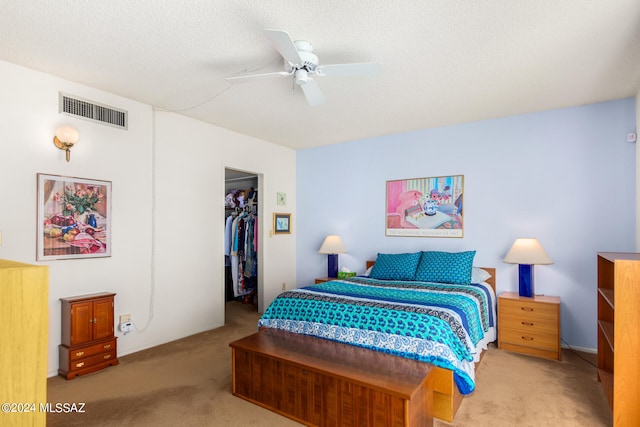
(332, 246)
(526, 253)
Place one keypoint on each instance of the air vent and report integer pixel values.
(93, 111)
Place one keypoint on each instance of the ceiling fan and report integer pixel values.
(300, 62)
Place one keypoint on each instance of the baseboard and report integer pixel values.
(582, 349)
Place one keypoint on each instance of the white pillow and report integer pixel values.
(479, 275)
(368, 272)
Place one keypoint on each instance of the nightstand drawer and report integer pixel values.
(529, 338)
(528, 310)
(528, 324)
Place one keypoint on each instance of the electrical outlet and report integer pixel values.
(124, 318)
(126, 327)
(284, 286)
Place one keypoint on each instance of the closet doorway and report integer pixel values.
(242, 238)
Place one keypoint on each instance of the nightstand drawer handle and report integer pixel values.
(527, 338)
(106, 356)
(79, 365)
(526, 308)
(80, 353)
(106, 346)
(527, 323)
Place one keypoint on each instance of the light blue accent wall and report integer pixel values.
(566, 177)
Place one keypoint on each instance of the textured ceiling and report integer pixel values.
(445, 62)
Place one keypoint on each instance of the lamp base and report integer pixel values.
(525, 280)
(332, 265)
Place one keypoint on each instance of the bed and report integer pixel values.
(406, 307)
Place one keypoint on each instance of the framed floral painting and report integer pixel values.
(74, 218)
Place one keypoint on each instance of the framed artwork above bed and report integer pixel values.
(425, 207)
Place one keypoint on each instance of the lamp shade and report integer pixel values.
(67, 134)
(527, 251)
(332, 245)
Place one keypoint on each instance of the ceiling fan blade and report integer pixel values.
(283, 44)
(313, 93)
(264, 75)
(355, 69)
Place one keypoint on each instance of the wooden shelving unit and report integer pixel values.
(619, 334)
(24, 330)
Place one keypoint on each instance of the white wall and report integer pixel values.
(565, 176)
(164, 163)
(190, 161)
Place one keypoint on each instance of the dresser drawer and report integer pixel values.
(86, 359)
(91, 361)
(83, 352)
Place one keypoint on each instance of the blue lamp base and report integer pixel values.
(525, 280)
(332, 265)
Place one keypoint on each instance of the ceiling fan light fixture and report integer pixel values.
(302, 77)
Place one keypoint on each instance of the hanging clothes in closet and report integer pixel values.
(241, 247)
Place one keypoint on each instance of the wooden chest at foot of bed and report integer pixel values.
(320, 382)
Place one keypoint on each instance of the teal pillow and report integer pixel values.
(445, 267)
(395, 266)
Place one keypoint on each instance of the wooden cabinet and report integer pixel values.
(324, 279)
(529, 325)
(331, 383)
(24, 328)
(618, 334)
(88, 341)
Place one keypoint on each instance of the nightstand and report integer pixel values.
(529, 325)
(325, 279)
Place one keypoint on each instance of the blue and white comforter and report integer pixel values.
(442, 324)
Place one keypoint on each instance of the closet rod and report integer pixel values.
(241, 178)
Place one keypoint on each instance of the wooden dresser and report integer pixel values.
(529, 325)
(331, 383)
(619, 334)
(88, 340)
(24, 329)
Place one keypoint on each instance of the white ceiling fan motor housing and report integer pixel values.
(309, 59)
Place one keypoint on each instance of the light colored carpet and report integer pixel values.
(188, 383)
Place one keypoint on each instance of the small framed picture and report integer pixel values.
(281, 223)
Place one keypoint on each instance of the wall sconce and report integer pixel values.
(65, 137)
(332, 246)
(526, 253)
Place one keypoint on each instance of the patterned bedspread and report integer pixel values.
(442, 324)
